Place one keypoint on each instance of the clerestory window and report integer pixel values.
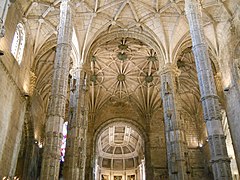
(18, 43)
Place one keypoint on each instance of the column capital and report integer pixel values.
(169, 67)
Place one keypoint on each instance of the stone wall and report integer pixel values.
(119, 109)
(198, 156)
(13, 94)
(12, 117)
(229, 35)
(157, 147)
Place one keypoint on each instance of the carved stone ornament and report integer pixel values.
(149, 78)
(152, 58)
(122, 46)
(122, 56)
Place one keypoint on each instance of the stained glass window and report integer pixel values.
(64, 140)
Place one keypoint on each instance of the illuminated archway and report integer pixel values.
(119, 153)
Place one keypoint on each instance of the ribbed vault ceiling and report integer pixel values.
(120, 142)
(125, 70)
(163, 21)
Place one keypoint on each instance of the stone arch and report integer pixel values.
(145, 31)
(131, 34)
(186, 42)
(119, 121)
(101, 127)
(49, 45)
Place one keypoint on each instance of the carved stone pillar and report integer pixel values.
(57, 102)
(174, 124)
(3, 14)
(210, 102)
(77, 129)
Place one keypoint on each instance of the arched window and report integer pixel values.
(18, 43)
(64, 141)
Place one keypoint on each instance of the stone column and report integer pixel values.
(3, 15)
(174, 124)
(77, 129)
(210, 102)
(57, 102)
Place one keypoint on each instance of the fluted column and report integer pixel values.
(174, 124)
(57, 102)
(77, 129)
(210, 102)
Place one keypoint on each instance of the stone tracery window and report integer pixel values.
(18, 43)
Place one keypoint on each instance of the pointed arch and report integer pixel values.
(18, 43)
